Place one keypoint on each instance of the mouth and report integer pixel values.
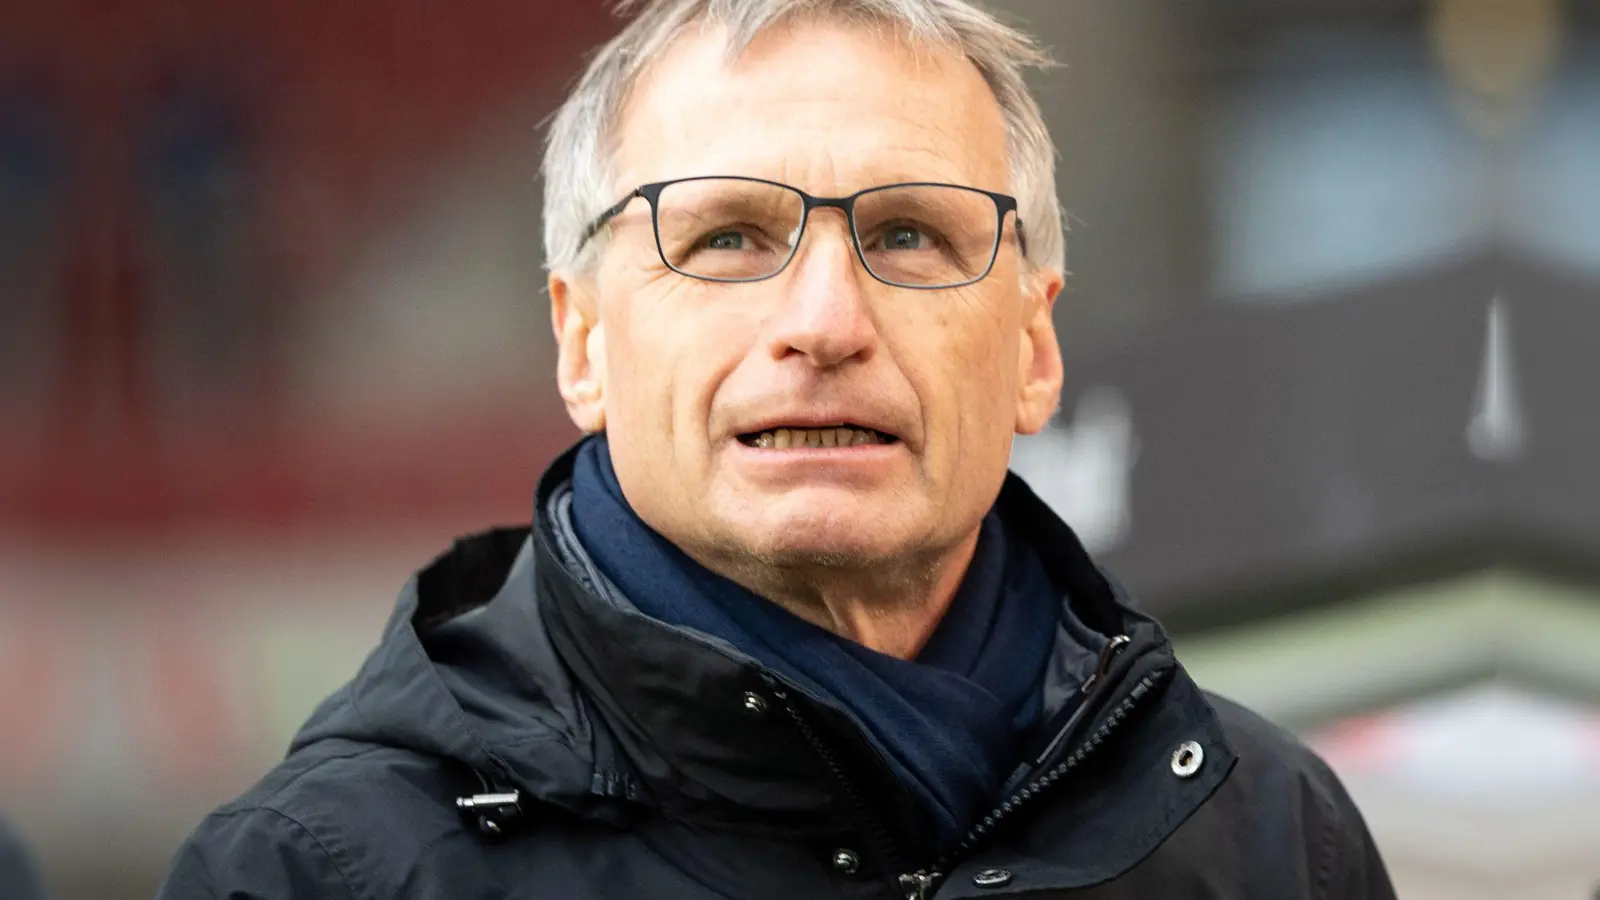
(842, 435)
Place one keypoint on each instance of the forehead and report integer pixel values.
(828, 107)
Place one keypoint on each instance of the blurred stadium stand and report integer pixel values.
(272, 332)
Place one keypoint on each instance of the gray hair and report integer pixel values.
(578, 181)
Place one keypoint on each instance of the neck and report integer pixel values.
(891, 608)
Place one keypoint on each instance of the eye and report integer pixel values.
(727, 239)
(904, 237)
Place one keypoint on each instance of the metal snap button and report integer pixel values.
(846, 861)
(992, 878)
(754, 703)
(1187, 758)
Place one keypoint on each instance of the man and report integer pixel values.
(783, 626)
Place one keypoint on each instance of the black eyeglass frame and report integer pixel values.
(1004, 204)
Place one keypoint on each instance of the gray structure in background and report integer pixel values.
(1335, 295)
(1291, 455)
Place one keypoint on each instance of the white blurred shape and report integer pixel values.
(1496, 433)
(1084, 469)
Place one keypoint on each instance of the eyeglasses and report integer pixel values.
(918, 235)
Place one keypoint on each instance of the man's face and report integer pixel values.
(685, 375)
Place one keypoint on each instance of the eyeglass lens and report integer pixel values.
(726, 229)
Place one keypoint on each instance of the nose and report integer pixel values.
(824, 316)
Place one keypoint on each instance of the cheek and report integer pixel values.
(672, 354)
(638, 369)
(971, 374)
(973, 353)
(725, 359)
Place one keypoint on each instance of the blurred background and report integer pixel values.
(272, 331)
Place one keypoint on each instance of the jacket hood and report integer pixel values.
(510, 656)
(465, 671)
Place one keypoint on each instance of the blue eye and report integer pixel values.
(725, 240)
(903, 237)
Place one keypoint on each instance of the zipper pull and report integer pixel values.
(1095, 679)
(1113, 647)
(918, 884)
(491, 814)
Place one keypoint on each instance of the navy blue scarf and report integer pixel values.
(949, 722)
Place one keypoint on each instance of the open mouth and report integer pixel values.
(843, 435)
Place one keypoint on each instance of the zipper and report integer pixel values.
(1040, 785)
(917, 884)
(878, 835)
(1095, 681)
(920, 885)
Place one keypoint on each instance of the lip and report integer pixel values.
(823, 419)
(860, 467)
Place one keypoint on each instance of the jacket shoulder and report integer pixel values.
(1264, 742)
(1281, 782)
(328, 823)
(255, 852)
(1273, 759)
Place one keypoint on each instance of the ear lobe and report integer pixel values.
(580, 354)
(1040, 370)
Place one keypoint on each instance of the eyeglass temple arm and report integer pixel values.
(615, 210)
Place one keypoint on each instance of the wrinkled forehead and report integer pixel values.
(829, 107)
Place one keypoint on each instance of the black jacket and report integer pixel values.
(522, 732)
(19, 876)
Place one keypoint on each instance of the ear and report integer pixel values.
(1039, 367)
(581, 353)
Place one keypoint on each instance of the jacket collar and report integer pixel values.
(611, 712)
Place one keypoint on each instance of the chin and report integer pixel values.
(817, 538)
(792, 554)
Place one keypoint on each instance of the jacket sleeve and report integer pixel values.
(1348, 865)
(256, 854)
(19, 877)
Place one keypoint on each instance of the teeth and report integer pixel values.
(784, 438)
